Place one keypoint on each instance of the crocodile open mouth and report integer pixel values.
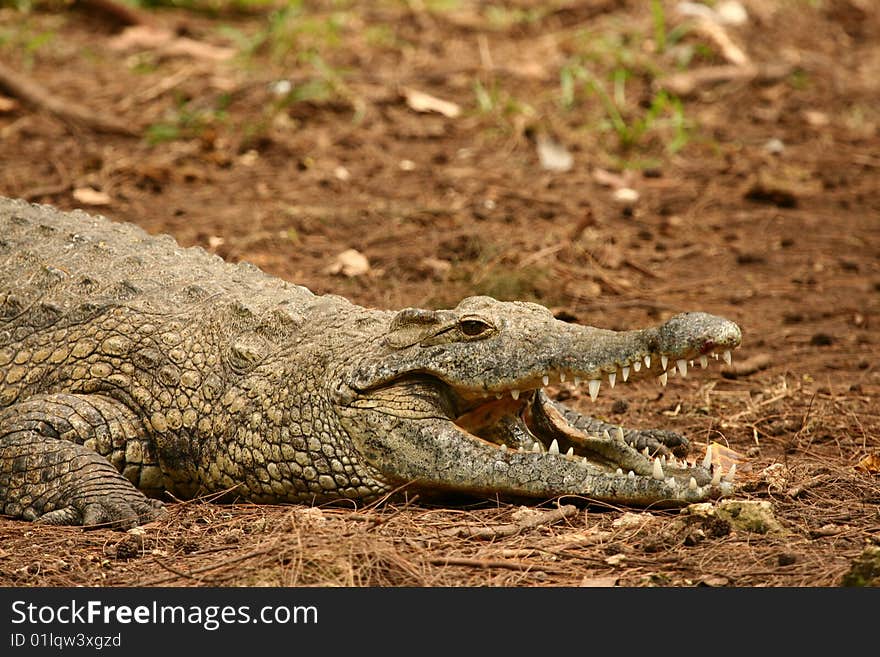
(529, 421)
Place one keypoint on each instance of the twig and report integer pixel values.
(729, 50)
(686, 83)
(746, 367)
(65, 109)
(795, 491)
(532, 258)
(219, 564)
(642, 270)
(491, 563)
(178, 573)
(381, 520)
(514, 528)
(46, 190)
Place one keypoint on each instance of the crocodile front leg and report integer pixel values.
(51, 465)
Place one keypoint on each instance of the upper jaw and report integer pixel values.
(529, 357)
(634, 366)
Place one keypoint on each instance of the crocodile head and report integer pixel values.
(455, 399)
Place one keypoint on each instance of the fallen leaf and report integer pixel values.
(776, 476)
(829, 529)
(7, 104)
(616, 559)
(419, 101)
(870, 464)
(553, 155)
(630, 520)
(436, 266)
(599, 582)
(816, 118)
(91, 196)
(714, 581)
(350, 263)
(725, 457)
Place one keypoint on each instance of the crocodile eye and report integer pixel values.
(473, 327)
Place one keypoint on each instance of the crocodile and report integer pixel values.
(133, 370)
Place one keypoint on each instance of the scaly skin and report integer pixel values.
(130, 367)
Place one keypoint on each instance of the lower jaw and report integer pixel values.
(532, 425)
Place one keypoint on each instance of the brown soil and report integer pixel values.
(765, 209)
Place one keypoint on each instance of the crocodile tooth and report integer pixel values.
(577, 380)
(716, 475)
(692, 484)
(624, 372)
(664, 361)
(521, 450)
(545, 380)
(619, 434)
(671, 372)
(570, 451)
(730, 473)
(663, 378)
(562, 377)
(672, 482)
(631, 474)
(612, 379)
(514, 394)
(715, 356)
(704, 361)
(648, 361)
(585, 462)
(707, 460)
(663, 460)
(606, 435)
(536, 447)
(682, 366)
(658, 470)
(618, 472)
(594, 388)
(503, 448)
(554, 447)
(637, 365)
(646, 452)
(727, 357)
(498, 395)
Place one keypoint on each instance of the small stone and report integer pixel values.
(731, 12)
(350, 263)
(774, 146)
(553, 156)
(625, 196)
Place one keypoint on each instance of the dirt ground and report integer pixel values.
(617, 161)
